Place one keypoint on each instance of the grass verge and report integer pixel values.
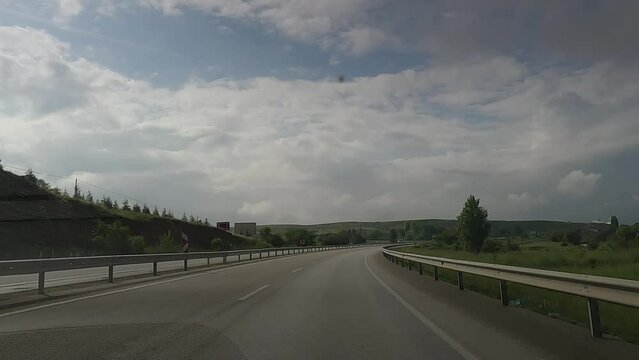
(617, 320)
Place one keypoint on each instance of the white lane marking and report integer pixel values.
(124, 290)
(252, 293)
(296, 270)
(264, 261)
(429, 324)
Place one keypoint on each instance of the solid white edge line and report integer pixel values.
(44, 306)
(429, 324)
(296, 270)
(252, 293)
(233, 266)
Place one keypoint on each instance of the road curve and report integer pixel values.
(348, 304)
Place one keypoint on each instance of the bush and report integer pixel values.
(491, 246)
(137, 244)
(511, 246)
(563, 243)
(167, 244)
(116, 239)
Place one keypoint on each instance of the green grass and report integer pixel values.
(616, 320)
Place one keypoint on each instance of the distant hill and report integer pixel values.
(498, 228)
(35, 222)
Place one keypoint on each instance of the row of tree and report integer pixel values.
(107, 203)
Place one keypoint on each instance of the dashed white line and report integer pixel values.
(252, 293)
(296, 270)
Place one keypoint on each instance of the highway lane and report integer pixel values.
(330, 305)
(15, 283)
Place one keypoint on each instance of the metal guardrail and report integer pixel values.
(593, 288)
(42, 266)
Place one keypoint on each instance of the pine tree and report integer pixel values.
(155, 211)
(145, 209)
(125, 205)
(89, 197)
(206, 222)
(191, 219)
(164, 213)
(115, 205)
(136, 208)
(184, 217)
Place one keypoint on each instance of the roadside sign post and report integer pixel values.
(185, 248)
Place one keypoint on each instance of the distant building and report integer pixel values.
(224, 225)
(246, 229)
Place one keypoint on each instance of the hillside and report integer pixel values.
(35, 222)
(499, 227)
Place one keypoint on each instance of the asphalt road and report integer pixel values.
(16, 283)
(347, 304)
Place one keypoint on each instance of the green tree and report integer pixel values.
(408, 232)
(115, 204)
(206, 222)
(106, 202)
(155, 211)
(184, 217)
(164, 214)
(167, 244)
(116, 239)
(614, 222)
(145, 209)
(265, 233)
(89, 197)
(125, 205)
(136, 208)
(392, 235)
(472, 225)
(300, 237)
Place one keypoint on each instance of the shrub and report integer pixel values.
(167, 244)
(116, 238)
(491, 246)
(511, 246)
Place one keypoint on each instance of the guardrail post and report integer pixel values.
(460, 280)
(224, 259)
(238, 257)
(503, 292)
(260, 254)
(155, 268)
(185, 264)
(403, 261)
(110, 273)
(410, 265)
(250, 256)
(595, 321)
(435, 273)
(419, 267)
(41, 282)
(208, 261)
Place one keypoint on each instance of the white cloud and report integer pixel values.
(224, 29)
(578, 183)
(448, 30)
(525, 200)
(399, 145)
(67, 9)
(253, 210)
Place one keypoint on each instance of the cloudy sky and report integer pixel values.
(231, 109)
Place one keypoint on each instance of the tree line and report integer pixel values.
(110, 204)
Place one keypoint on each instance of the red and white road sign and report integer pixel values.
(185, 243)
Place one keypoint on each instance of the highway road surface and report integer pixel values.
(346, 304)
